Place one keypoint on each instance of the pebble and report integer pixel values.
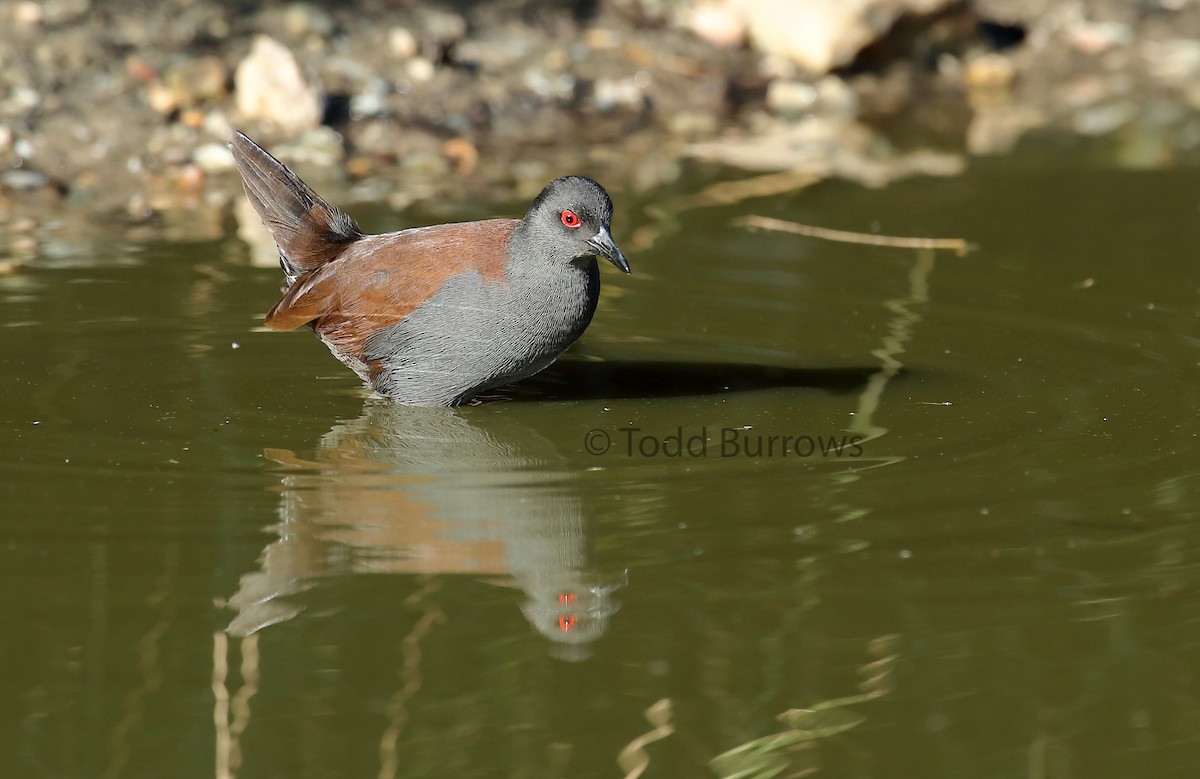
(402, 43)
(692, 124)
(549, 85)
(443, 27)
(27, 14)
(271, 87)
(720, 23)
(197, 81)
(23, 179)
(990, 71)
(306, 19)
(420, 70)
(462, 153)
(213, 158)
(609, 94)
(785, 96)
(372, 101)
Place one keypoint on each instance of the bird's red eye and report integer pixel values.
(571, 219)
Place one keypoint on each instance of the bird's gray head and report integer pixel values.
(570, 220)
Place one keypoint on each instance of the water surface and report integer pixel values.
(947, 505)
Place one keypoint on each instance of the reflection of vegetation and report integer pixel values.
(633, 758)
(791, 748)
(772, 755)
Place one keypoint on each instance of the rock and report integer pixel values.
(402, 43)
(188, 84)
(444, 28)
(719, 22)
(198, 80)
(462, 153)
(1099, 37)
(213, 158)
(692, 124)
(23, 179)
(270, 87)
(785, 96)
(610, 93)
(549, 85)
(27, 14)
(372, 101)
(321, 147)
(420, 70)
(305, 19)
(990, 71)
(820, 35)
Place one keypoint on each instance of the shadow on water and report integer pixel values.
(404, 490)
(631, 379)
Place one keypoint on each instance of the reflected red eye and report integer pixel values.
(565, 624)
(571, 219)
(566, 598)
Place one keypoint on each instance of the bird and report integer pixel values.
(434, 316)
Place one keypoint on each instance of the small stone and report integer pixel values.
(372, 101)
(444, 27)
(719, 22)
(420, 70)
(549, 85)
(791, 96)
(193, 118)
(23, 180)
(319, 147)
(1099, 37)
(990, 71)
(160, 97)
(191, 178)
(462, 153)
(271, 87)
(304, 19)
(692, 124)
(197, 81)
(27, 14)
(402, 43)
(359, 167)
(600, 39)
(609, 94)
(213, 158)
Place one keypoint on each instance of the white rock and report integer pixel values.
(213, 158)
(719, 22)
(270, 87)
(610, 93)
(820, 35)
(402, 43)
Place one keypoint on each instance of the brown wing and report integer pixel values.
(381, 279)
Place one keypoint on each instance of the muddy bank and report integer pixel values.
(123, 108)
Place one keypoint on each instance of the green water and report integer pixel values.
(219, 558)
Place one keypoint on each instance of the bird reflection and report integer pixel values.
(433, 491)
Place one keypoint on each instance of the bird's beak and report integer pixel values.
(607, 248)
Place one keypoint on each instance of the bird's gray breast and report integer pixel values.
(473, 334)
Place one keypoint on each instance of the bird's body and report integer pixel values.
(434, 315)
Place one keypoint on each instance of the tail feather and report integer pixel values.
(308, 231)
